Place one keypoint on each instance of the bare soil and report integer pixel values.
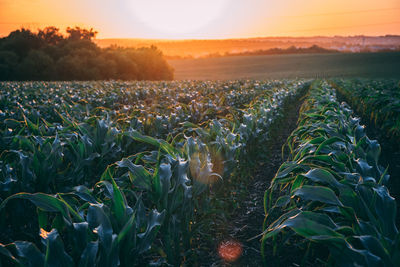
(246, 222)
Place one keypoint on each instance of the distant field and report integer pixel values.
(370, 65)
(201, 48)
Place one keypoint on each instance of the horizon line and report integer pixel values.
(241, 38)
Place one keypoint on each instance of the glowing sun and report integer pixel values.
(178, 16)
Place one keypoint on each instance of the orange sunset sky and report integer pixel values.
(206, 19)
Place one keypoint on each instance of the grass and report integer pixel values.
(369, 65)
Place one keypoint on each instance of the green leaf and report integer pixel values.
(30, 253)
(170, 150)
(33, 127)
(140, 177)
(127, 227)
(43, 201)
(322, 176)
(147, 237)
(88, 257)
(80, 236)
(310, 225)
(55, 253)
(282, 201)
(373, 245)
(317, 193)
(7, 253)
(188, 124)
(298, 182)
(101, 224)
(325, 159)
(42, 218)
(165, 175)
(84, 193)
(385, 207)
(287, 168)
(119, 202)
(327, 143)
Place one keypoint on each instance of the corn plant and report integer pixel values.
(331, 194)
(87, 228)
(378, 101)
(121, 173)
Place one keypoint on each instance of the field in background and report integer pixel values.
(203, 48)
(369, 65)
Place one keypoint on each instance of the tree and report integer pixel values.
(36, 66)
(8, 63)
(20, 42)
(81, 34)
(48, 55)
(50, 35)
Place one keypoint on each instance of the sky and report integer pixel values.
(206, 19)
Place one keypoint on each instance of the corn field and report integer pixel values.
(133, 173)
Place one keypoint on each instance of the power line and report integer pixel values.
(345, 12)
(345, 27)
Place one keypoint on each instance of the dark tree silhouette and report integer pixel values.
(78, 33)
(20, 42)
(50, 35)
(49, 55)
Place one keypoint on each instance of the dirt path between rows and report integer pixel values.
(248, 220)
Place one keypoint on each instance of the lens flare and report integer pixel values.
(230, 251)
(43, 233)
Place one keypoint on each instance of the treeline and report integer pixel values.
(315, 49)
(51, 55)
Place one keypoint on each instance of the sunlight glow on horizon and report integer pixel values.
(178, 16)
(207, 19)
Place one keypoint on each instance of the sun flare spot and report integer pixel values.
(178, 16)
(43, 233)
(230, 251)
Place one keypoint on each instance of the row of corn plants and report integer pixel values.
(57, 135)
(104, 191)
(152, 103)
(329, 200)
(378, 103)
(376, 100)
